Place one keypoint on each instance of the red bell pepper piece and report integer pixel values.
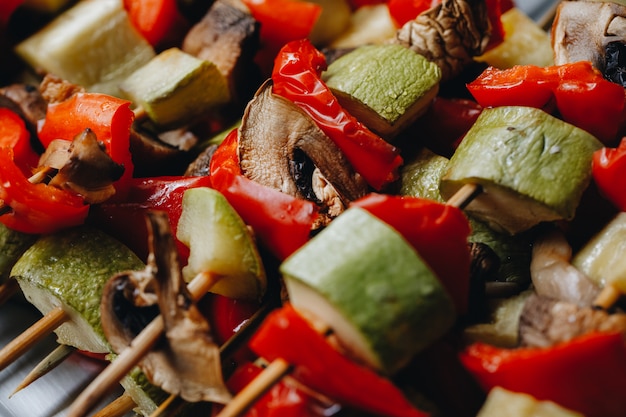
(124, 216)
(286, 334)
(296, 77)
(7, 7)
(15, 135)
(582, 96)
(437, 231)
(586, 374)
(283, 21)
(154, 19)
(36, 208)
(283, 223)
(609, 173)
(282, 400)
(110, 118)
(402, 11)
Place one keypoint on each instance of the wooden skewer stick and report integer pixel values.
(121, 406)
(54, 359)
(275, 371)
(227, 349)
(129, 357)
(279, 368)
(42, 328)
(607, 297)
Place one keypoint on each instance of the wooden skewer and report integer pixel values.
(279, 368)
(42, 328)
(607, 297)
(54, 359)
(129, 357)
(121, 406)
(275, 371)
(226, 350)
(36, 178)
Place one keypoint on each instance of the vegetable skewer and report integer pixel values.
(133, 354)
(279, 368)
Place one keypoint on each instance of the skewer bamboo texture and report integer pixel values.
(50, 362)
(129, 357)
(42, 328)
(121, 406)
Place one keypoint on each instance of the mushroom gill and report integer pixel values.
(591, 31)
(186, 360)
(281, 147)
(450, 34)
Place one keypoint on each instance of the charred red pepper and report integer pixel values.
(296, 77)
(124, 217)
(582, 96)
(36, 208)
(286, 334)
(437, 231)
(110, 118)
(609, 173)
(15, 135)
(586, 374)
(283, 223)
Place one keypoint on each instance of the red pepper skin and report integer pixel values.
(7, 7)
(437, 231)
(446, 122)
(296, 77)
(283, 223)
(36, 208)
(110, 118)
(403, 11)
(154, 19)
(586, 374)
(582, 96)
(124, 218)
(282, 400)
(609, 173)
(286, 334)
(15, 135)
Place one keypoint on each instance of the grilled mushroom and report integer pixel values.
(281, 147)
(545, 321)
(449, 34)
(186, 362)
(590, 31)
(84, 167)
(554, 276)
(228, 36)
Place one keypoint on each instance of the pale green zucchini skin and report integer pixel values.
(532, 166)
(386, 86)
(68, 269)
(13, 244)
(362, 278)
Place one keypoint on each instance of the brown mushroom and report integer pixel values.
(84, 167)
(281, 147)
(545, 321)
(449, 34)
(228, 36)
(583, 30)
(186, 361)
